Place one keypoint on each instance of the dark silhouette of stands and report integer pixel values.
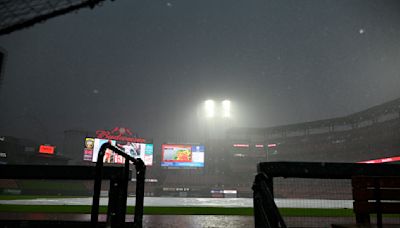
(370, 134)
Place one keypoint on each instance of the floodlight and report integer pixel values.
(209, 106)
(226, 108)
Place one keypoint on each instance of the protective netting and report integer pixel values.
(18, 14)
(309, 202)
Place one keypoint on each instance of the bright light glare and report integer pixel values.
(226, 108)
(209, 106)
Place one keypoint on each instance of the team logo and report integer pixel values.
(119, 134)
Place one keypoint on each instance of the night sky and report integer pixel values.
(149, 64)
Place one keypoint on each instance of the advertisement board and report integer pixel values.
(136, 150)
(182, 156)
(47, 149)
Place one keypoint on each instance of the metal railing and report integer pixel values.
(266, 213)
(118, 192)
(114, 174)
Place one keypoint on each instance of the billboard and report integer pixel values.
(182, 156)
(47, 149)
(143, 151)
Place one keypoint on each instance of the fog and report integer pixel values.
(149, 66)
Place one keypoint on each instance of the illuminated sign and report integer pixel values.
(272, 145)
(137, 150)
(241, 145)
(88, 151)
(46, 149)
(382, 160)
(167, 189)
(182, 156)
(239, 155)
(119, 134)
(230, 191)
(123, 139)
(150, 180)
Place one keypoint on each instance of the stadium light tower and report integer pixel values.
(217, 117)
(226, 108)
(209, 106)
(211, 109)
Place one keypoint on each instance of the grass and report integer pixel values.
(293, 212)
(290, 212)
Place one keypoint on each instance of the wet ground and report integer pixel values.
(195, 221)
(190, 221)
(187, 221)
(192, 202)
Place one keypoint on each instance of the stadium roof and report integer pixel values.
(368, 114)
(19, 14)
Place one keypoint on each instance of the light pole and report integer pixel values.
(214, 111)
(217, 116)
